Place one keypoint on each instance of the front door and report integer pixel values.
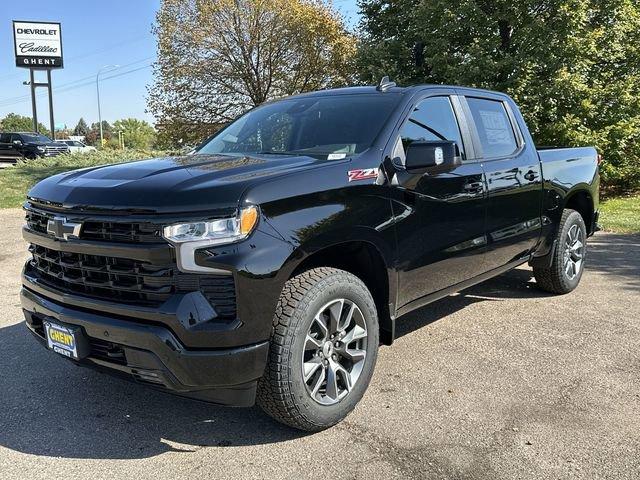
(440, 218)
(514, 182)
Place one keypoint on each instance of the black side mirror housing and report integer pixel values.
(432, 157)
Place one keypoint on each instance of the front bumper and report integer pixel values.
(152, 355)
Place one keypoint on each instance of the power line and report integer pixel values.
(78, 83)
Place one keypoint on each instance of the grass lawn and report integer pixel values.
(15, 181)
(621, 214)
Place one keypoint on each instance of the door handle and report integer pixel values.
(473, 187)
(530, 175)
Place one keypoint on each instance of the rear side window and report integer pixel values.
(433, 119)
(494, 127)
(4, 138)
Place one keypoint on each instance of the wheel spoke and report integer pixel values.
(345, 375)
(318, 383)
(312, 343)
(335, 312)
(354, 354)
(332, 381)
(317, 334)
(356, 333)
(568, 268)
(311, 367)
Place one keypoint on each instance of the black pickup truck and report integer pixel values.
(21, 145)
(270, 264)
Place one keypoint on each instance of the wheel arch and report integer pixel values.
(581, 201)
(365, 260)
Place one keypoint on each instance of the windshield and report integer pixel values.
(34, 137)
(327, 127)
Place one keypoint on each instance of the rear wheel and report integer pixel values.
(323, 349)
(569, 255)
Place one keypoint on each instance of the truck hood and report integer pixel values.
(190, 183)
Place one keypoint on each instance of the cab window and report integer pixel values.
(494, 127)
(433, 119)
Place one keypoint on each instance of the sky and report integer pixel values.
(94, 35)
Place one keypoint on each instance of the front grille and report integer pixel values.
(51, 151)
(128, 281)
(108, 278)
(119, 279)
(106, 231)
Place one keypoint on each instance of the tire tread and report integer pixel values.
(552, 279)
(274, 394)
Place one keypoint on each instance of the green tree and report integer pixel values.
(19, 123)
(217, 59)
(136, 133)
(92, 137)
(81, 128)
(573, 66)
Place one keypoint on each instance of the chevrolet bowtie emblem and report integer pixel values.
(61, 229)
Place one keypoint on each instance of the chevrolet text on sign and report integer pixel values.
(37, 44)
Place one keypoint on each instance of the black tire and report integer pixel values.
(556, 278)
(282, 392)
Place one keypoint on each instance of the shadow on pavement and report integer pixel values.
(609, 254)
(50, 407)
(617, 255)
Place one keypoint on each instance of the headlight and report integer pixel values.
(188, 237)
(40, 149)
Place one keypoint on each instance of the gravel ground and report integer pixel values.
(499, 382)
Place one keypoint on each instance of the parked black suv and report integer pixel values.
(19, 145)
(272, 261)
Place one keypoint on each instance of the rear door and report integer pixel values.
(7, 149)
(441, 217)
(513, 176)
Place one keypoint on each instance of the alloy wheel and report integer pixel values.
(334, 351)
(574, 252)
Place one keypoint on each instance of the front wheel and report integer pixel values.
(323, 350)
(569, 256)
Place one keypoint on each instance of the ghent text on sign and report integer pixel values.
(37, 44)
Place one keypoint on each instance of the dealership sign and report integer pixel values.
(37, 44)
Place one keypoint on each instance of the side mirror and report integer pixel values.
(17, 142)
(432, 157)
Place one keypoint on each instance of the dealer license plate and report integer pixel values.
(61, 339)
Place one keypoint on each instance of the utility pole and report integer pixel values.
(34, 110)
(109, 67)
(53, 125)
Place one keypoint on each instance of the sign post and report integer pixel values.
(38, 46)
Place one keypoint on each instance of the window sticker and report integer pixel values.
(496, 127)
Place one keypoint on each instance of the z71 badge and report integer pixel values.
(362, 174)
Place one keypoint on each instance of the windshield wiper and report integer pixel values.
(274, 153)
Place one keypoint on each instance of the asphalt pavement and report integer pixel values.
(501, 381)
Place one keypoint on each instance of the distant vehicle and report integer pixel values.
(20, 145)
(270, 264)
(76, 146)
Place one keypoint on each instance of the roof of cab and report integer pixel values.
(355, 91)
(409, 90)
